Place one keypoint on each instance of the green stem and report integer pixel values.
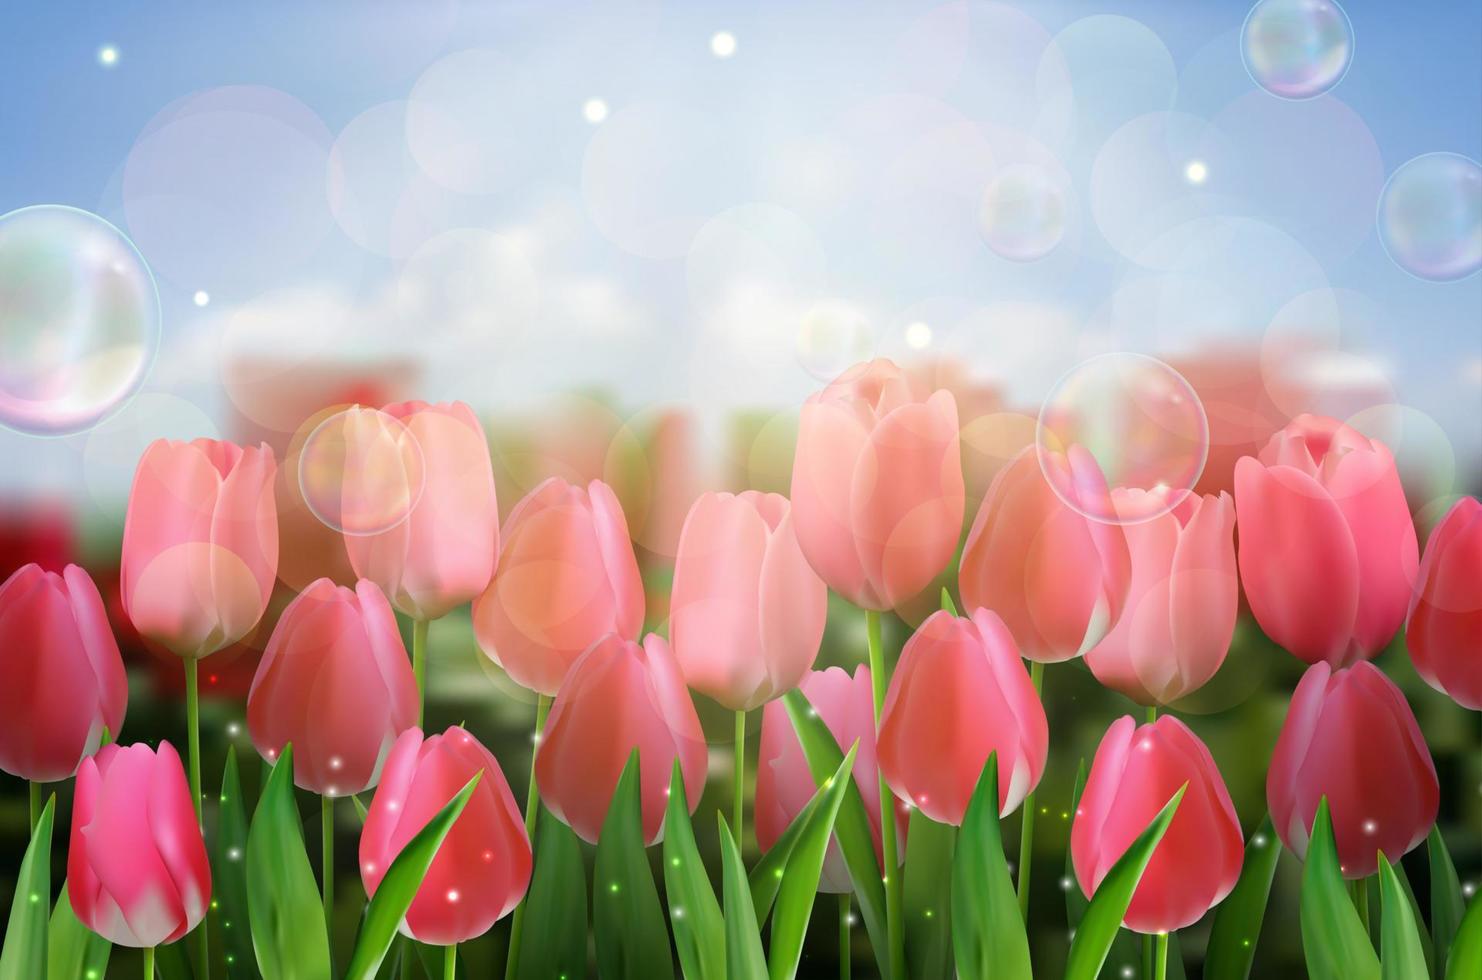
(148, 963)
(1361, 900)
(450, 962)
(1161, 958)
(35, 804)
(1152, 713)
(419, 664)
(1026, 816)
(845, 946)
(326, 830)
(532, 810)
(193, 743)
(738, 795)
(894, 924)
(1148, 955)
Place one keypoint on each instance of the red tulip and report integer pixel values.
(1057, 578)
(1176, 626)
(619, 696)
(877, 490)
(567, 577)
(1349, 736)
(35, 531)
(483, 867)
(64, 679)
(335, 681)
(1327, 547)
(442, 554)
(960, 692)
(200, 544)
(137, 872)
(1135, 773)
(784, 783)
(747, 611)
(1444, 629)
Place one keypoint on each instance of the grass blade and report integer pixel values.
(694, 914)
(632, 940)
(1238, 919)
(928, 896)
(230, 884)
(766, 874)
(1401, 956)
(24, 954)
(555, 923)
(283, 903)
(74, 952)
(1447, 906)
(744, 957)
(1334, 941)
(1465, 959)
(988, 935)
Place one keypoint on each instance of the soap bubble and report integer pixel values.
(1430, 217)
(360, 471)
(1140, 423)
(832, 337)
(1022, 216)
(1297, 49)
(79, 320)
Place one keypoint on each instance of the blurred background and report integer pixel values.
(634, 236)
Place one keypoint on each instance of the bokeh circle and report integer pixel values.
(1022, 215)
(1430, 217)
(361, 471)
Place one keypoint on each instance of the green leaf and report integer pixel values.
(744, 958)
(1108, 906)
(1464, 962)
(1447, 906)
(1334, 940)
(172, 961)
(766, 874)
(74, 952)
(800, 878)
(1425, 937)
(632, 940)
(394, 895)
(928, 896)
(283, 903)
(1238, 919)
(987, 930)
(360, 808)
(554, 930)
(24, 954)
(230, 873)
(694, 914)
(434, 960)
(1402, 957)
(947, 602)
(1075, 899)
(851, 826)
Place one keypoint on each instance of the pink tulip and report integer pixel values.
(137, 872)
(960, 692)
(1137, 770)
(1444, 629)
(619, 696)
(1349, 735)
(335, 681)
(64, 680)
(442, 554)
(1058, 579)
(784, 783)
(567, 577)
(877, 490)
(482, 869)
(1182, 599)
(200, 544)
(1327, 548)
(746, 612)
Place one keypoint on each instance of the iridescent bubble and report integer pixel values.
(1022, 216)
(1430, 217)
(1140, 423)
(1297, 49)
(79, 320)
(831, 337)
(360, 471)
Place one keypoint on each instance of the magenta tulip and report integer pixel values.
(1444, 629)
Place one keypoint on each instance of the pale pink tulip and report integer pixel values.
(1057, 578)
(1182, 599)
(746, 611)
(137, 872)
(877, 491)
(960, 693)
(1137, 770)
(335, 681)
(1350, 736)
(200, 544)
(567, 577)
(619, 696)
(1327, 547)
(1444, 629)
(442, 554)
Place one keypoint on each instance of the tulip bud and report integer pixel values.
(137, 872)
(1444, 629)
(1136, 771)
(746, 612)
(567, 577)
(482, 869)
(200, 544)
(335, 681)
(960, 693)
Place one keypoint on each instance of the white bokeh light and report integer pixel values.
(108, 56)
(594, 111)
(918, 335)
(723, 44)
